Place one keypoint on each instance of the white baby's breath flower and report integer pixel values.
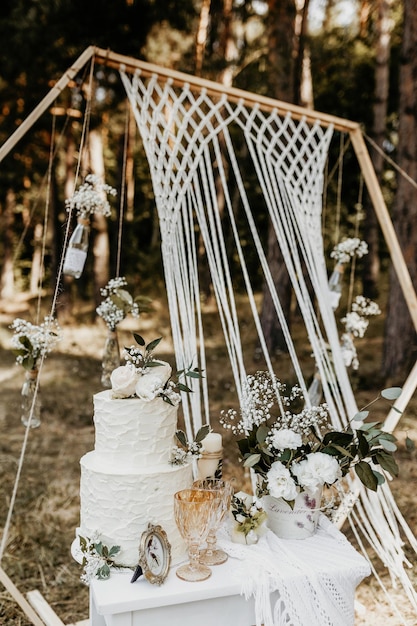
(118, 303)
(285, 438)
(355, 324)
(32, 341)
(347, 249)
(91, 197)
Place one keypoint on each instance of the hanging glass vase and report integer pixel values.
(335, 285)
(77, 248)
(31, 401)
(111, 357)
(315, 390)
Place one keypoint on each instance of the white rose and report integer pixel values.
(163, 371)
(123, 381)
(280, 482)
(149, 386)
(286, 438)
(316, 470)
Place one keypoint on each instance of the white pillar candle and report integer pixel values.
(211, 455)
(212, 442)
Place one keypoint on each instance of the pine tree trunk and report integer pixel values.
(384, 25)
(7, 290)
(400, 335)
(284, 81)
(101, 250)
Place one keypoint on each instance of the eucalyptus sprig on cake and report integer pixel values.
(97, 558)
(147, 377)
(189, 449)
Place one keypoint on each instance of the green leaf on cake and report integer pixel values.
(153, 344)
(139, 340)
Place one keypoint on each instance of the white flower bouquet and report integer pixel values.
(145, 377)
(32, 341)
(118, 303)
(298, 451)
(91, 197)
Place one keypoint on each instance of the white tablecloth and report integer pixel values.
(315, 578)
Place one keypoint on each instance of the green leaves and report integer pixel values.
(101, 566)
(387, 462)
(252, 460)
(392, 393)
(366, 475)
(195, 446)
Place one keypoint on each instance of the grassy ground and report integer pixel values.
(46, 511)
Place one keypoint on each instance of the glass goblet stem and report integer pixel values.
(211, 543)
(193, 554)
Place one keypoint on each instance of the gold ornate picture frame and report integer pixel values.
(155, 554)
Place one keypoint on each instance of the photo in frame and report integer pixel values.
(154, 554)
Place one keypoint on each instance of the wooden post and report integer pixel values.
(46, 102)
(20, 599)
(385, 222)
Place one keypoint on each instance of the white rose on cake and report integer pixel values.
(153, 381)
(123, 381)
(163, 371)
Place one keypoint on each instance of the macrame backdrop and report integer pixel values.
(194, 144)
(199, 138)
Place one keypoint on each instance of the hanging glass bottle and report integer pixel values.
(31, 398)
(111, 357)
(77, 248)
(335, 285)
(315, 391)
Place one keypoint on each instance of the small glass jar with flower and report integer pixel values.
(343, 252)
(31, 343)
(248, 519)
(118, 303)
(295, 453)
(89, 198)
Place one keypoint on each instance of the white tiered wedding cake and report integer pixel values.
(128, 480)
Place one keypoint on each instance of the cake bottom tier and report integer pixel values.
(119, 505)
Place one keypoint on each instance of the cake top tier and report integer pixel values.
(134, 433)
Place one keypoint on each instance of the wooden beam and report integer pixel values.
(401, 403)
(385, 222)
(43, 609)
(112, 59)
(20, 599)
(46, 102)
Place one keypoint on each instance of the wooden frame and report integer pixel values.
(155, 554)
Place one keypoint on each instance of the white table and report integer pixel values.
(217, 601)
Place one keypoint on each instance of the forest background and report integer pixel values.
(351, 59)
(356, 60)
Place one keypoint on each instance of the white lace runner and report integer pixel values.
(315, 578)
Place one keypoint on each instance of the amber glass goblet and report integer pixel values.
(222, 490)
(193, 509)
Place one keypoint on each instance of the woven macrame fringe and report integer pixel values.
(190, 143)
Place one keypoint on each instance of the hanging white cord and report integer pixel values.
(122, 195)
(41, 362)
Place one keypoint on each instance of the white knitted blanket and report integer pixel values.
(308, 582)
